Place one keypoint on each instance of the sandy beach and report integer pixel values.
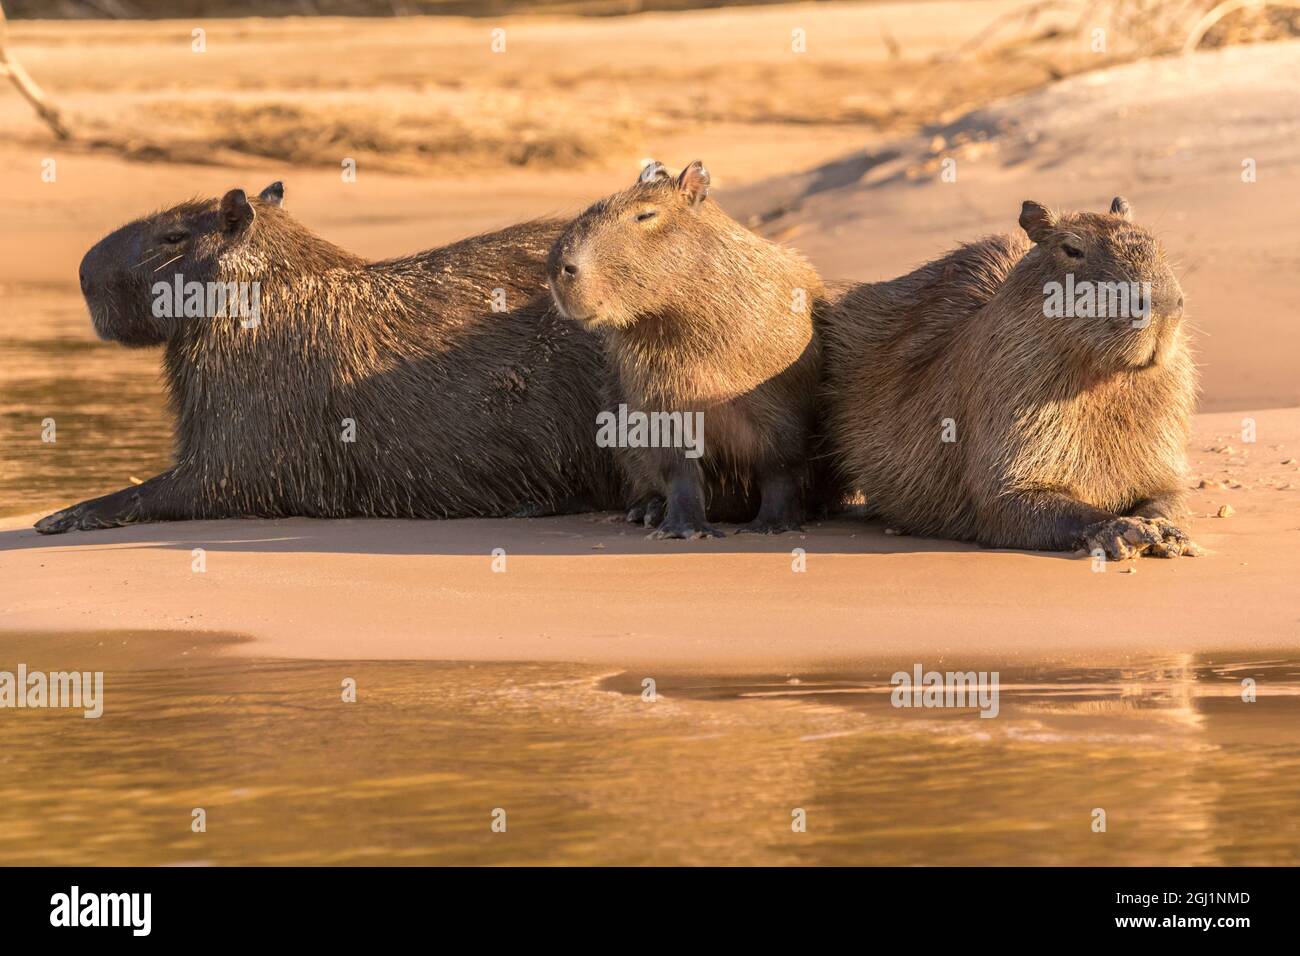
(591, 589)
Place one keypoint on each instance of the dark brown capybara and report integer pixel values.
(703, 319)
(1008, 394)
(436, 385)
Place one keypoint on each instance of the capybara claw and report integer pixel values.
(768, 527)
(1174, 542)
(56, 523)
(649, 513)
(1121, 539)
(69, 519)
(685, 530)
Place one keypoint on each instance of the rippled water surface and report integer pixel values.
(107, 404)
(587, 770)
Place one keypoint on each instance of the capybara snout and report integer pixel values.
(116, 287)
(120, 274)
(563, 271)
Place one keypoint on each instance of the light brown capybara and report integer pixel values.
(705, 319)
(1022, 396)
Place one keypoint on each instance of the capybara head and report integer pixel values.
(203, 241)
(1108, 280)
(627, 256)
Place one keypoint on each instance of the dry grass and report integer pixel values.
(1138, 28)
(509, 132)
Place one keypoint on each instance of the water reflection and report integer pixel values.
(588, 771)
(107, 403)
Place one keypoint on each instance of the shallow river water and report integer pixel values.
(103, 405)
(580, 767)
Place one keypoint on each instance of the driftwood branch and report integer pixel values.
(1212, 17)
(27, 86)
(1025, 17)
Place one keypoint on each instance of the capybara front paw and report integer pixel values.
(1123, 538)
(770, 526)
(1174, 542)
(56, 523)
(77, 518)
(685, 529)
(649, 513)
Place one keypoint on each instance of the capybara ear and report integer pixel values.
(694, 182)
(1037, 220)
(235, 212)
(653, 173)
(273, 194)
(1119, 207)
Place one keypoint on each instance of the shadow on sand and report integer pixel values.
(594, 534)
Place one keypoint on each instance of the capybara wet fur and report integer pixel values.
(704, 319)
(964, 404)
(436, 385)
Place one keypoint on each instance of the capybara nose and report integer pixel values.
(1168, 305)
(86, 269)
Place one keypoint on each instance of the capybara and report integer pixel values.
(982, 397)
(437, 385)
(704, 320)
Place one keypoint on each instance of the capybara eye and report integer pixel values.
(175, 236)
(1074, 252)
(646, 216)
